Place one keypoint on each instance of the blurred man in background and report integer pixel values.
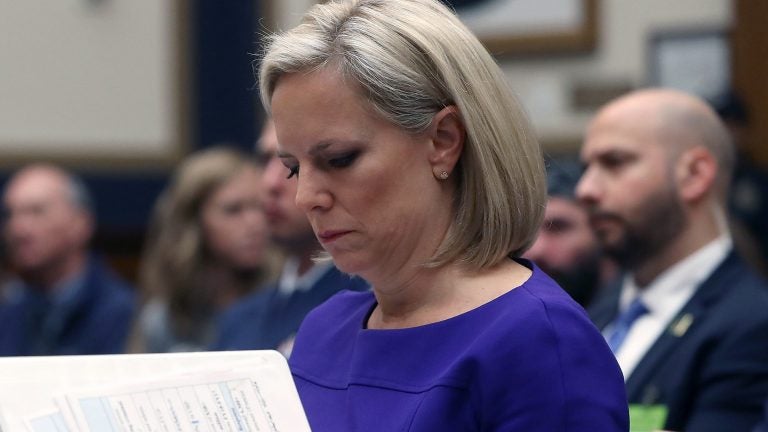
(270, 318)
(566, 247)
(748, 197)
(688, 324)
(63, 300)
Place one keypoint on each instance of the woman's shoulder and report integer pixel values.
(543, 341)
(541, 289)
(541, 319)
(537, 300)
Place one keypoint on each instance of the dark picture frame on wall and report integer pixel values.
(513, 27)
(697, 61)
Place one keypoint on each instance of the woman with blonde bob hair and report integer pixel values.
(206, 249)
(419, 172)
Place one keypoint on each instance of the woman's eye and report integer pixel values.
(293, 171)
(344, 160)
(232, 209)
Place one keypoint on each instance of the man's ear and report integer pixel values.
(447, 134)
(83, 227)
(696, 173)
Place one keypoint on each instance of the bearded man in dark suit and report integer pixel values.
(689, 322)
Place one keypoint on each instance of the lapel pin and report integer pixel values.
(681, 325)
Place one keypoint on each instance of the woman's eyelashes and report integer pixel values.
(293, 171)
(335, 162)
(342, 161)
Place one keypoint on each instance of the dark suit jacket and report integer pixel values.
(96, 321)
(710, 367)
(763, 426)
(268, 318)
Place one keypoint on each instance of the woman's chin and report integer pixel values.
(350, 265)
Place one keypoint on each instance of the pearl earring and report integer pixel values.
(443, 175)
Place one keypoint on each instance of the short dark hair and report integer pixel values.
(563, 174)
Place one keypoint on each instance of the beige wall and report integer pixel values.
(88, 79)
(620, 57)
(545, 83)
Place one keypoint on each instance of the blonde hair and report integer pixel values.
(411, 58)
(176, 255)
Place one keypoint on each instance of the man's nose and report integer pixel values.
(275, 174)
(588, 189)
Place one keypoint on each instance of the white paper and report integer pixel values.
(196, 392)
(52, 421)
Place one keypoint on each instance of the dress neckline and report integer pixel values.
(535, 274)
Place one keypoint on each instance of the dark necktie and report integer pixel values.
(624, 322)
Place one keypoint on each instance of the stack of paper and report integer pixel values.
(217, 391)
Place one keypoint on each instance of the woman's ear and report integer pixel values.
(447, 134)
(696, 173)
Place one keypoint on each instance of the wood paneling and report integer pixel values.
(750, 71)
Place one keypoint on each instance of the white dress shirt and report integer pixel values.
(290, 280)
(664, 298)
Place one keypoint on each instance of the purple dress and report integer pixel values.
(527, 361)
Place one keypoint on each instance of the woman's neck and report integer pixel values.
(429, 295)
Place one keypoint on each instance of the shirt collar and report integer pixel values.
(291, 281)
(674, 286)
(61, 294)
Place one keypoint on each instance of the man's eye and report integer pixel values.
(263, 158)
(614, 161)
(557, 226)
(344, 160)
(294, 171)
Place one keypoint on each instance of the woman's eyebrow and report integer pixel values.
(320, 147)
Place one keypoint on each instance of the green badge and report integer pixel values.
(646, 418)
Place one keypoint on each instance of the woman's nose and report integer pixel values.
(312, 193)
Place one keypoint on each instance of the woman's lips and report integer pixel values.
(331, 235)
